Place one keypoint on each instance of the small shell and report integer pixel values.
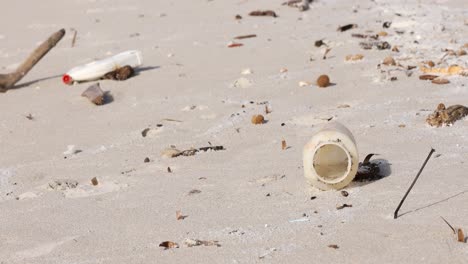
(323, 81)
(440, 81)
(170, 153)
(389, 61)
(303, 83)
(258, 119)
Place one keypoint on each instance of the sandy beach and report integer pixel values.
(194, 91)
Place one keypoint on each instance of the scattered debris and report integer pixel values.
(344, 106)
(440, 81)
(430, 63)
(313, 197)
(283, 145)
(146, 160)
(401, 125)
(238, 17)
(235, 45)
(258, 119)
(395, 49)
(263, 13)
(380, 45)
(145, 131)
(168, 245)
(447, 116)
(170, 153)
(169, 169)
(395, 214)
(246, 36)
(71, 150)
(319, 43)
(304, 84)
(95, 94)
(354, 57)
(269, 252)
(62, 185)
(180, 216)
(323, 81)
(333, 246)
(386, 24)
(304, 219)
(30, 117)
(344, 193)
(75, 32)
(120, 74)
(427, 77)
(194, 191)
(326, 53)
(339, 207)
(458, 231)
(347, 27)
(283, 70)
(94, 181)
(461, 236)
(367, 170)
(267, 109)
(196, 242)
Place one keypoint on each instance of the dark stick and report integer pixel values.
(453, 229)
(395, 215)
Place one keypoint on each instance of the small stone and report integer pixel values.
(258, 119)
(430, 63)
(323, 81)
(344, 193)
(146, 160)
(94, 181)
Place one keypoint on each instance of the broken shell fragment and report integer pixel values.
(304, 83)
(258, 119)
(323, 81)
(170, 153)
(354, 57)
(382, 34)
(94, 94)
(440, 81)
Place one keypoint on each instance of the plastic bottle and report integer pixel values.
(331, 157)
(97, 69)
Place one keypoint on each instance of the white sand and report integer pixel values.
(132, 210)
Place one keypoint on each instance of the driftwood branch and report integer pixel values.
(10, 79)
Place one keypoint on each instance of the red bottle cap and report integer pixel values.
(67, 79)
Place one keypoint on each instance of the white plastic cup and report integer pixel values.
(97, 69)
(331, 157)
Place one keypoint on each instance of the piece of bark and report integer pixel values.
(427, 77)
(94, 94)
(246, 36)
(120, 74)
(263, 13)
(347, 27)
(7, 81)
(447, 116)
